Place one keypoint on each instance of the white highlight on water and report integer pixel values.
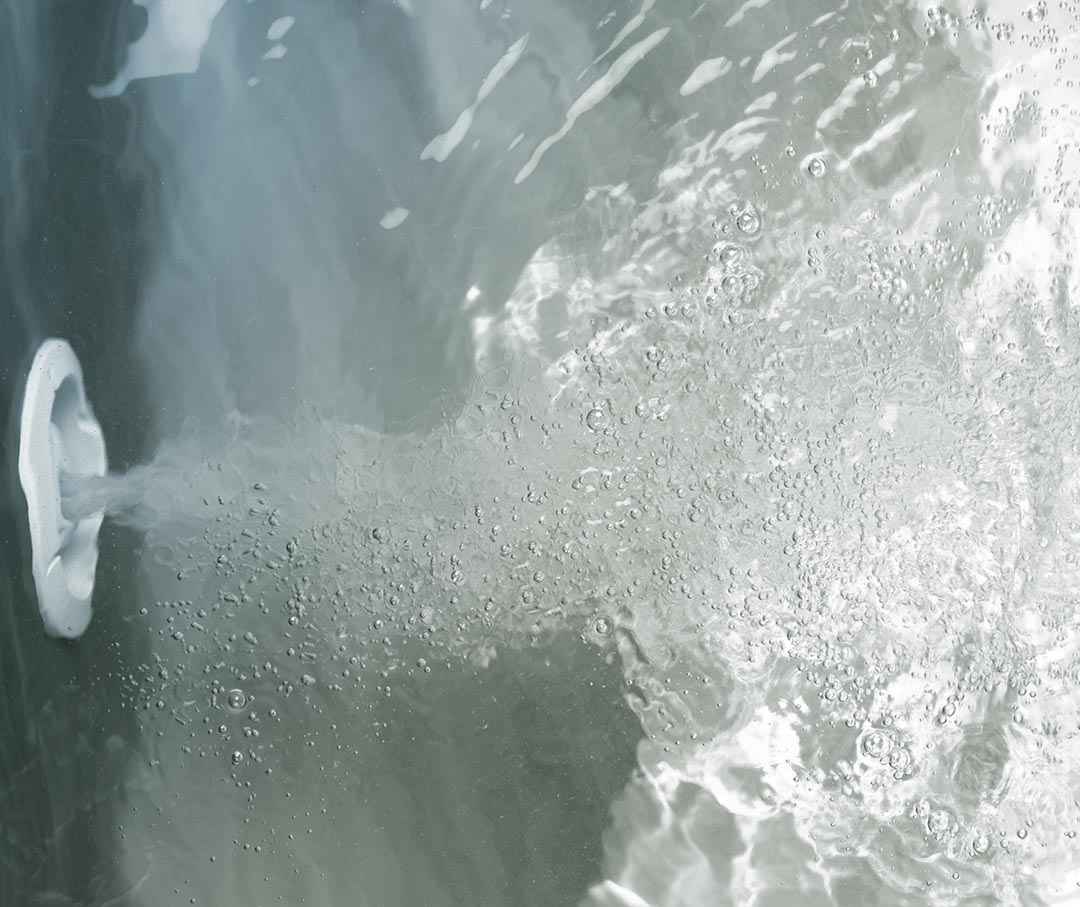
(176, 33)
(593, 95)
(442, 146)
(395, 217)
(707, 71)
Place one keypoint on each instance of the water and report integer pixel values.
(125, 497)
(815, 604)
(701, 530)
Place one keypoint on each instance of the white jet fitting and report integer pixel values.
(58, 434)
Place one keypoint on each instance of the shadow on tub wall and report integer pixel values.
(71, 209)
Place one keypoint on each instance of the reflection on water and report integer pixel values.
(606, 456)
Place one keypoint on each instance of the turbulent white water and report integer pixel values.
(783, 423)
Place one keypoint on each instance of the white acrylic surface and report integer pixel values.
(59, 434)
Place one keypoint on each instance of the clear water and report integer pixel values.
(606, 456)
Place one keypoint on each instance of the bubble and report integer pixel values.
(729, 255)
(596, 419)
(900, 760)
(876, 744)
(816, 168)
(938, 823)
(236, 699)
(731, 285)
(747, 220)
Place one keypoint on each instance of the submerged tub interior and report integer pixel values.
(563, 453)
